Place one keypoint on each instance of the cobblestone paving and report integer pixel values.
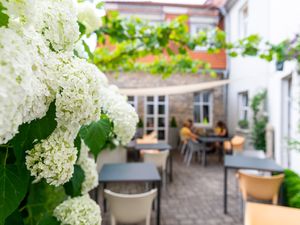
(195, 197)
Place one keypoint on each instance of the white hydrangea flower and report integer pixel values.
(90, 16)
(89, 167)
(53, 159)
(56, 20)
(78, 211)
(23, 96)
(78, 100)
(120, 112)
(19, 11)
(80, 51)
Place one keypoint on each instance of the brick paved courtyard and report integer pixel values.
(194, 197)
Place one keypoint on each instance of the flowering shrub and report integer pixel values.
(78, 211)
(52, 106)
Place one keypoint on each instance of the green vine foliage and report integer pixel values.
(259, 121)
(123, 43)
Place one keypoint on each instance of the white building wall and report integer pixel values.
(274, 20)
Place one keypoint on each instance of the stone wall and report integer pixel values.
(180, 106)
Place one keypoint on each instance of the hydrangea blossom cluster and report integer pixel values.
(53, 159)
(90, 16)
(20, 11)
(23, 96)
(89, 167)
(56, 20)
(78, 211)
(120, 112)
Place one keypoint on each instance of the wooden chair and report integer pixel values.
(263, 214)
(260, 187)
(236, 144)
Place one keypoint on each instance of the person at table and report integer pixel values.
(186, 133)
(221, 129)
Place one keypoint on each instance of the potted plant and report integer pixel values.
(140, 128)
(243, 124)
(173, 133)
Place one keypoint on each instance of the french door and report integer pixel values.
(156, 116)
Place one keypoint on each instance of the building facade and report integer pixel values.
(204, 107)
(274, 21)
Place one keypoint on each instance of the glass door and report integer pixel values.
(156, 116)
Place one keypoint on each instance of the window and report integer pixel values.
(133, 100)
(203, 108)
(243, 105)
(195, 28)
(156, 116)
(243, 29)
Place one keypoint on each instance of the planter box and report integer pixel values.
(173, 137)
(118, 155)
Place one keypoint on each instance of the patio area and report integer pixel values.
(194, 197)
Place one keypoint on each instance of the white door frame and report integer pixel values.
(156, 114)
(286, 88)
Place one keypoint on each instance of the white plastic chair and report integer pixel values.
(159, 159)
(130, 209)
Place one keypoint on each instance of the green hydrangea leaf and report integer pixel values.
(96, 134)
(3, 17)
(13, 187)
(33, 132)
(49, 220)
(73, 187)
(42, 200)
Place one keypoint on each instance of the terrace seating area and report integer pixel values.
(194, 197)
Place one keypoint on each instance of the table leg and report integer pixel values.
(104, 200)
(153, 186)
(204, 158)
(171, 167)
(225, 190)
(158, 203)
(96, 194)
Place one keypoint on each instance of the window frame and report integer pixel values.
(243, 21)
(156, 102)
(134, 103)
(243, 110)
(200, 104)
(193, 31)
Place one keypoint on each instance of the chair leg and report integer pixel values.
(113, 220)
(204, 158)
(186, 155)
(148, 219)
(190, 157)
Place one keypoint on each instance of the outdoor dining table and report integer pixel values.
(213, 139)
(243, 162)
(161, 146)
(131, 173)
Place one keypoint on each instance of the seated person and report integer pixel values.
(221, 129)
(186, 133)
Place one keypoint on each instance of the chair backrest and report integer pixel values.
(132, 208)
(146, 141)
(237, 143)
(254, 154)
(152, 135)
(260, 187)
(263, 214)
(157, 158)
(193, 145)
